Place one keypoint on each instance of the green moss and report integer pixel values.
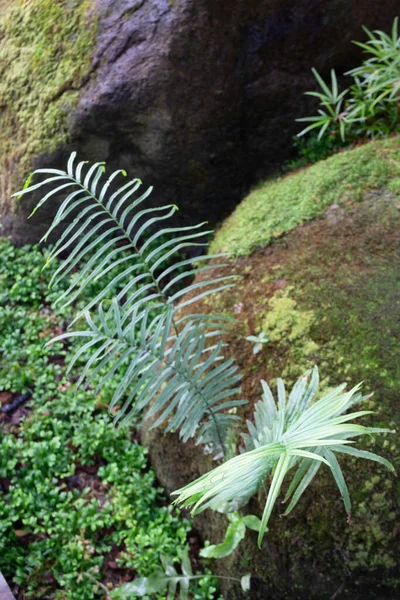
(277, 206)
(394, 185)
(45, 57)
(289, 328)
(284, 320)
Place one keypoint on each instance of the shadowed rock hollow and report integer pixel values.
(196, 97)
(320, 276)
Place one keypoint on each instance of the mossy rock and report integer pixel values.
(46, 49)
(325, 291)
(277, 206)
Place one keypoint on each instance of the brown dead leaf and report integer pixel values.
(21, 532)
(64, 386)
(5, 398)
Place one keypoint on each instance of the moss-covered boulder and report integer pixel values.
(195, 97)
(45, 58)
(46, 51)
(318, 253)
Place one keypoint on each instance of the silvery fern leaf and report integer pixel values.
(291, 433)
(176, 377)
(168, 581)
(172, 364)
(112, 230)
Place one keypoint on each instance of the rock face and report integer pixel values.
(196, 97)
(324, 292)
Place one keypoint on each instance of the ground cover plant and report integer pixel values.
(80, 509)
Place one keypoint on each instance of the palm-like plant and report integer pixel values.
(377, 81)
(382, 67)
(372, 107)
(292, 433)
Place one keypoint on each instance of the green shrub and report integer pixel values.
(370, 107)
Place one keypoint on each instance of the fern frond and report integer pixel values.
(172, 367)
(115, 230)
(292, 432)
(177, 377)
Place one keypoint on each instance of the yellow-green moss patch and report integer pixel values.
(277, 206)
(289, 327)
(45, 56)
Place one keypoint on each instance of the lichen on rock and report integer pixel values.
(285, 325)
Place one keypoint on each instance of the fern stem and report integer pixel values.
(162, 360)
(202, 396)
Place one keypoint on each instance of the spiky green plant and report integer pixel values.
(372, 104)
(375, 95)
(292, 433)
(331, 114)
(174, 360)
